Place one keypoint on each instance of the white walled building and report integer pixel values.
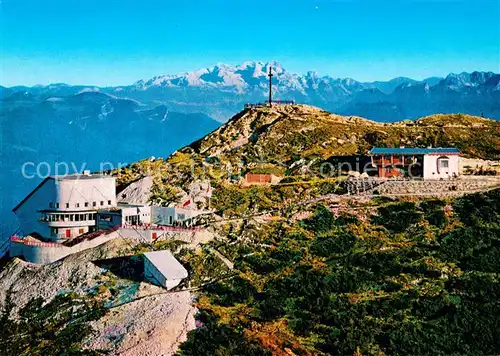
(135, 214)
(441, 165)
(124, 214)
(65, 206)
(172, 215)
(162, 268)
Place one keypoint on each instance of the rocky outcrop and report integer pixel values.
(137, 192)
(149, 325)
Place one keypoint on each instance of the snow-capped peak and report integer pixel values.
(252, 76)
(220, 75)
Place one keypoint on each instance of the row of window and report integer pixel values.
(69, 217)
(132, 218)
(77, 205)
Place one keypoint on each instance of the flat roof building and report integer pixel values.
(163, 269)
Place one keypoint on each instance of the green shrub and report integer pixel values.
(434, 212)
(341, 242)
(479, 208)
(322, 221)
(398, 217)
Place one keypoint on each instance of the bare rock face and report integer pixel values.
(137, 192)
(151, 325)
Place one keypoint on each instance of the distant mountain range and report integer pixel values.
(221, 90)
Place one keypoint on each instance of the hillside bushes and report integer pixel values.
(339, 294)
(398, 217)
(58, 327)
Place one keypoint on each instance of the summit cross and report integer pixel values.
(270, 75)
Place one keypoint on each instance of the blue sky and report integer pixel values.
(116, 42)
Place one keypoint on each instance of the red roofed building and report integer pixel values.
(261, 179)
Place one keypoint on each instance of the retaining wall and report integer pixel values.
(434, 187)
(43, 252)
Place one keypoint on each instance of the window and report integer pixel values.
(444, 164)
(57, 205)
(51, 205)
(109, 202)
(102, 203)
(81, 231)
(77, 205)
(86, 204)
(94, 203)
(77, 217)
(67, 205)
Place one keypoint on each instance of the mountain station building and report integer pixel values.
(66, 206)
(62, 208)
(426, 163)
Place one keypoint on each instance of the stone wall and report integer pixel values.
(434, 187)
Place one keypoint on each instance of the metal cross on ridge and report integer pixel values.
(270, 75)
